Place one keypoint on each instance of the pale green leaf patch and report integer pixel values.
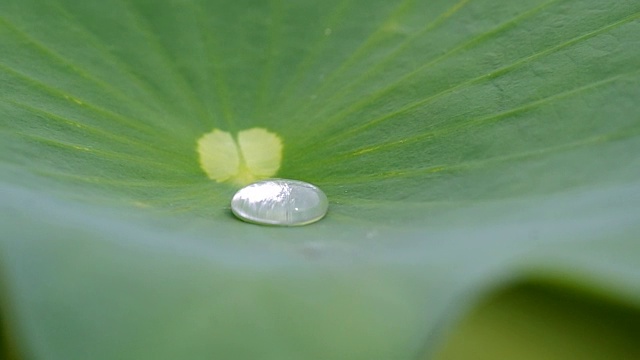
(253, 155)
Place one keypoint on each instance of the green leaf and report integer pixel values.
(463, 147)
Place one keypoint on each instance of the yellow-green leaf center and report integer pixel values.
(252, 155)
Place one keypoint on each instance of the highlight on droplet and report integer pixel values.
(251, 155)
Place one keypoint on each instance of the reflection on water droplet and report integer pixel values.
(280, 202)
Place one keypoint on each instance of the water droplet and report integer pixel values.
(280, 202)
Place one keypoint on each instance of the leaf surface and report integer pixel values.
(463, 146)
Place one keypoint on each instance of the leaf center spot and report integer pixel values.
(251, 155)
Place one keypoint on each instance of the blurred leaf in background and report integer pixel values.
(465, 147)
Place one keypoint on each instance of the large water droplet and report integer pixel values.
(280, 202)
